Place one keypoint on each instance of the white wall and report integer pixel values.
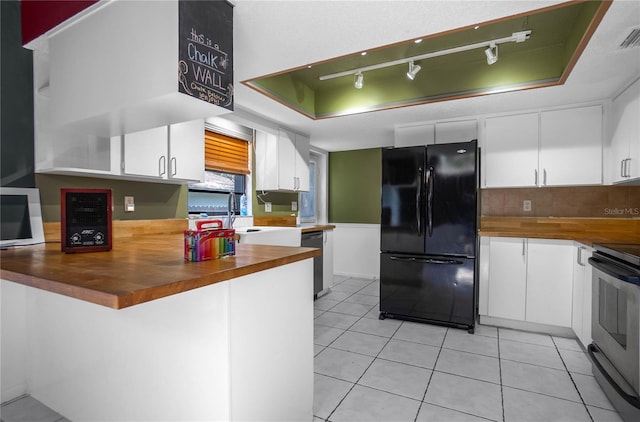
(357, 250)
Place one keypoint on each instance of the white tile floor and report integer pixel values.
(391, 370)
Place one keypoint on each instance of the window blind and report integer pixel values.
(226, 154)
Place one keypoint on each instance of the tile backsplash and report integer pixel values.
(574, 201)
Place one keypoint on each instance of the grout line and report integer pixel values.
(365, 371)
(500, 372)
(572, 380)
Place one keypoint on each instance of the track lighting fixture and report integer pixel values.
(491, 53)
(359, 81)
(413, 70)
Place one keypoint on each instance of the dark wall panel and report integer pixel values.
(16, 101)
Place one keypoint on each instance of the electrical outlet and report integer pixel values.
(294, 206)
(526, 205)
(267, 207)
(129, 205)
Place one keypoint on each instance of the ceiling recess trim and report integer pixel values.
(302, 89)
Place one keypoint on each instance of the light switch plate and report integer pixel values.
(129, 204)
(294, 206)
(526, 205)
(267, 207)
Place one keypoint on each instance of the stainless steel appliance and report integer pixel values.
(616, 325)
(429, 234)
(315, 240)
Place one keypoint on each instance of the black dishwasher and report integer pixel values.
(315, 240)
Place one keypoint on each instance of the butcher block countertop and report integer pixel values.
(584, 230)
(316, 227)
(136, 270)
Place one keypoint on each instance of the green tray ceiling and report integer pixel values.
(559, 34)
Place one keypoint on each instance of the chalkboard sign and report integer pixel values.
(205, 58)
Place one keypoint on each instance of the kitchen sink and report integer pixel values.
(269, 235)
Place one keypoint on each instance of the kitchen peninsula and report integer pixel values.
(136, 333)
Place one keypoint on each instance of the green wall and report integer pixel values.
(152, 200)
(354, 186)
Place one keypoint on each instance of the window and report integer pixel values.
(308, 199)
(226, 154)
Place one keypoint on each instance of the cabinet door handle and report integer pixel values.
(627, 167)
(580, 261)
(162, 165)
(544, 177)
(174, 166)
(523, 247)
(535, 172)
(622, 165)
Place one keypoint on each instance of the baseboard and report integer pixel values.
(528, 326)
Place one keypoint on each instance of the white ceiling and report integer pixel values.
(272, 36)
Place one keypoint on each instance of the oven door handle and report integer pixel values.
(632, 400)
(615, 271)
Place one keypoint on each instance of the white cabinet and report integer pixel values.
(571, 147)
(624, 153)
(549, 281)
(108, 77)
(327, 260)
(436, 133)
(456, 131)
(530, 280)
(507, 278)
(511, 151)
(282, 161)
(174, 153)
(414, 135)
(550, 148)
(581, 313)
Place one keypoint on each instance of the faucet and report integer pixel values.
(231, 208)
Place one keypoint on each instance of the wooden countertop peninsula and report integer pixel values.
(584, 230)
(137, 270)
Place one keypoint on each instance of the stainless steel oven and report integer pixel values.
(616, 325)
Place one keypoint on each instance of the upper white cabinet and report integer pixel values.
(624, 153)
(457, 131)
(571, 147)
(414, 135)
(282, 161)
(172, 153)
(110, 74)
(550, 148)
(436, 133)
(511, 151)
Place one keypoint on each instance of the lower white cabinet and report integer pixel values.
(549, 281)
(530, 280)
(581, 313)
(327, 260)
(507, 277)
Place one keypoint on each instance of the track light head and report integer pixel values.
(359, 81)
(492, 54)
(413, 70)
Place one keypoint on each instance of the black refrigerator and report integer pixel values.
(428, 238)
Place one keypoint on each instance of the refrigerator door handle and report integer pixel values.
(426, 260)
(419, 202)
(430, 182)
